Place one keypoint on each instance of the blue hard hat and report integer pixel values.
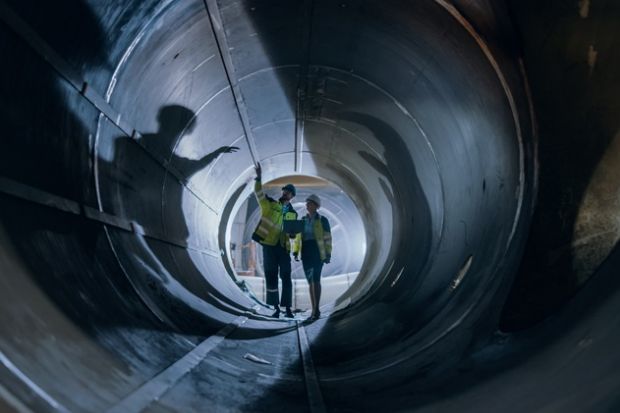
(290, 188)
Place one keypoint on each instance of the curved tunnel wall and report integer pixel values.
(424, 124)
(359, 124)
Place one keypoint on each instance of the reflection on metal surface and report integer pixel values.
(19, 375)
(597, 226)
(462, 272)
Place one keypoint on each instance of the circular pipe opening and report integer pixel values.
(348, 234)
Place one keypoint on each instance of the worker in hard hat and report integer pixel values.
(276, 244)
(314, 245)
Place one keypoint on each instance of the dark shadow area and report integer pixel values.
(48, 137)
(86, 283)
(577, 110)
(47, 143)
(410, 233)
(512, 354)
(248, 334)
(406, 198)
(48, 130)
(80, 41)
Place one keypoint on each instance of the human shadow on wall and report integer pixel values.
(152, 198)
(46, 146)
(411, 233)
(48, 130)
(47, 140)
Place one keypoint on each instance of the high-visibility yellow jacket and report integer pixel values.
(322, 236)
(269, 229)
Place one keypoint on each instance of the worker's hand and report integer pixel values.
(327, 260)
(296, 256)
(228, 149)
(258, 171)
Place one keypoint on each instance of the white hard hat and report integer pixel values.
(314, 198)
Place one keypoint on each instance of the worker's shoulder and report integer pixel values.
(325, 222)
(291, 210)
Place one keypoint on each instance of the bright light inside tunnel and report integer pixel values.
(348, 233)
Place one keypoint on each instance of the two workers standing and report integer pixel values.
(313, 243)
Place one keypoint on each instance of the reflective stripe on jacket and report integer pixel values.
(269, 229)
(322, 236)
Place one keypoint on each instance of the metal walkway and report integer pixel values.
(285, 374)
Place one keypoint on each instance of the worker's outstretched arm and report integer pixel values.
(263, 202)
(191, 166)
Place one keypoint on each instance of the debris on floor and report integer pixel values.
(255, 359)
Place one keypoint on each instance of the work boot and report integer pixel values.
(276, 313)
(289, 313)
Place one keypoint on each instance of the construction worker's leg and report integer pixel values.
(270, 263)
(285, 276)
(309, 272)
(317, 296)
(311, 291)
(317, 284)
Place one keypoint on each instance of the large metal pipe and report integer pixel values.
(117, 193)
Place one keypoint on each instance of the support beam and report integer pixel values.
(215, 18)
